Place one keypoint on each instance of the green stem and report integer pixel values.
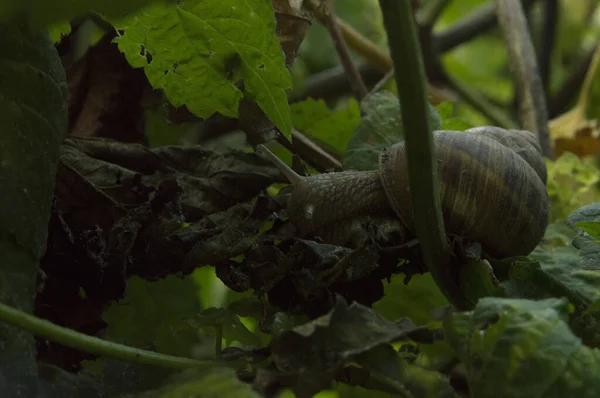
(422, 171)
(93, 345)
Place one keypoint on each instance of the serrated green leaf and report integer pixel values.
(334, 128)
(523, 348)
(381, 127)
(196, 50)
(33, 123)
(218, 382)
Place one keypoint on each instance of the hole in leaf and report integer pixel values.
(175, 66)
(262, 66)
(145, 53)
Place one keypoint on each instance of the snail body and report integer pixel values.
(492, 191)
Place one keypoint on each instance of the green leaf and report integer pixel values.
(476, 280)
(523, 348)
(334, 128)
(57, 383)
(449, 122)
(381, 127)
(58, 30)
(155, 313)
(218, 382)
(416, 300)
(233, 330)
(197, 50)
(42, 13)
(315, 351)
(162, 133)
(33, 123)
(590, 227)
(571, 184)
(388, 372)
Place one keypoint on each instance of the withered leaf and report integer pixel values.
(210, 181)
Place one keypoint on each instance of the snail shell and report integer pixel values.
(492, 191)
(492, 187)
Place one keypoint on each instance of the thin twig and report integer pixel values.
(314, 154)
(532, 100)
(376, 57)
(422, 167)
(94, 345)
(478, 102)
(326, 15)
(482, 20)
(381, 83)
(559, 103)
(333, 83)
(548, 38)
(430, 13)
(364, 47)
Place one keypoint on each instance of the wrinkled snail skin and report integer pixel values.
(324, 199)
(492, 191)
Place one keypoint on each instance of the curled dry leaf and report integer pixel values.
(292, 23)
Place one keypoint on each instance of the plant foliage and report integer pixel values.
(134, 210)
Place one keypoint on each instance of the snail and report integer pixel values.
(492, 191)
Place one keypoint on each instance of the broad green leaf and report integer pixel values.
(315, 351)
(416, 300)
(590, 227)
(33, 123)
(197, 50)
(381, 127)
(523, 348)
(582, 216)
(390, 373)
(155, 313)
(558, 273)
(334, 128)
(218, 382)
(42, 13)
